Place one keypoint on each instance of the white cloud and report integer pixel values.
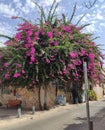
(25, 8)
(47, 2)
(30, 4)
(101, 0)
(96, 18)
(96, 6)
(18, 3)
(91, 28)
(5, 29)
(103, 6)
(102, 24)
(60, 10)
(7, 10)
(28, 7)
(99, 17)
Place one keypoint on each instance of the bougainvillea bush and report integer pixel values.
(49, 50)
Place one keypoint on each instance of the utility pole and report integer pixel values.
(90, 123)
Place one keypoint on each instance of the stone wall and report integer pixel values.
(30, 97)
(99, 91)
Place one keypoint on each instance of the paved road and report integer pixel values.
(73, 118)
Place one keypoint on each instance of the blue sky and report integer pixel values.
(27, 9)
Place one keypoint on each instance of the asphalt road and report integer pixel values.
(73, 118)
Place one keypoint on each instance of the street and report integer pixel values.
(72, 118)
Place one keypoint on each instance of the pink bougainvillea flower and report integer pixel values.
(23, 72)
(36, 38)
(56, 43)
(91, 56)
(47, 61)
(90, 66)
(7, 76)
(27, 46)
(76, 75)
(43, 33)
(65, 71)
(14, 17)
(71, 37)
(32, 50)
(50, 35)
(83, 52)
(66, 28)
(28, 39)
(91, 49)
(79, 41)
(18, 65)
(1, 69)
(71, 66)
(40, 41)
(16, 75)
(62, 61)
(101, 76)
(72, 55)
(18, 36)
(28, 53)
(30, 62)
(52, 75)
(32, 58)
(46, 23)
(60, 72)
(37, 33)
(6, 64)
(29, 33)
(78, 62)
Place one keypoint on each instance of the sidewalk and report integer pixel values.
(9, 116)
(75, 113)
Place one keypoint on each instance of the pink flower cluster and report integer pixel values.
(50, 48)
(16, 75)
(72, 55)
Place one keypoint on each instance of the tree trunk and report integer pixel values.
(1, 93)
(39, 90)
(57, 87)
(56, 91)
(45, 96)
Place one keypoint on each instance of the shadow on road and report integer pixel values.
(9, 113)
(98, 122)
(82, 126)
(78, 126)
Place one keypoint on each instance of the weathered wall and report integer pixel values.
(99, 91)
(31, 97)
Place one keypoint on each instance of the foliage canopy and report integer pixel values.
(52, 49)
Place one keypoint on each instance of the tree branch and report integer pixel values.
(90, 4)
